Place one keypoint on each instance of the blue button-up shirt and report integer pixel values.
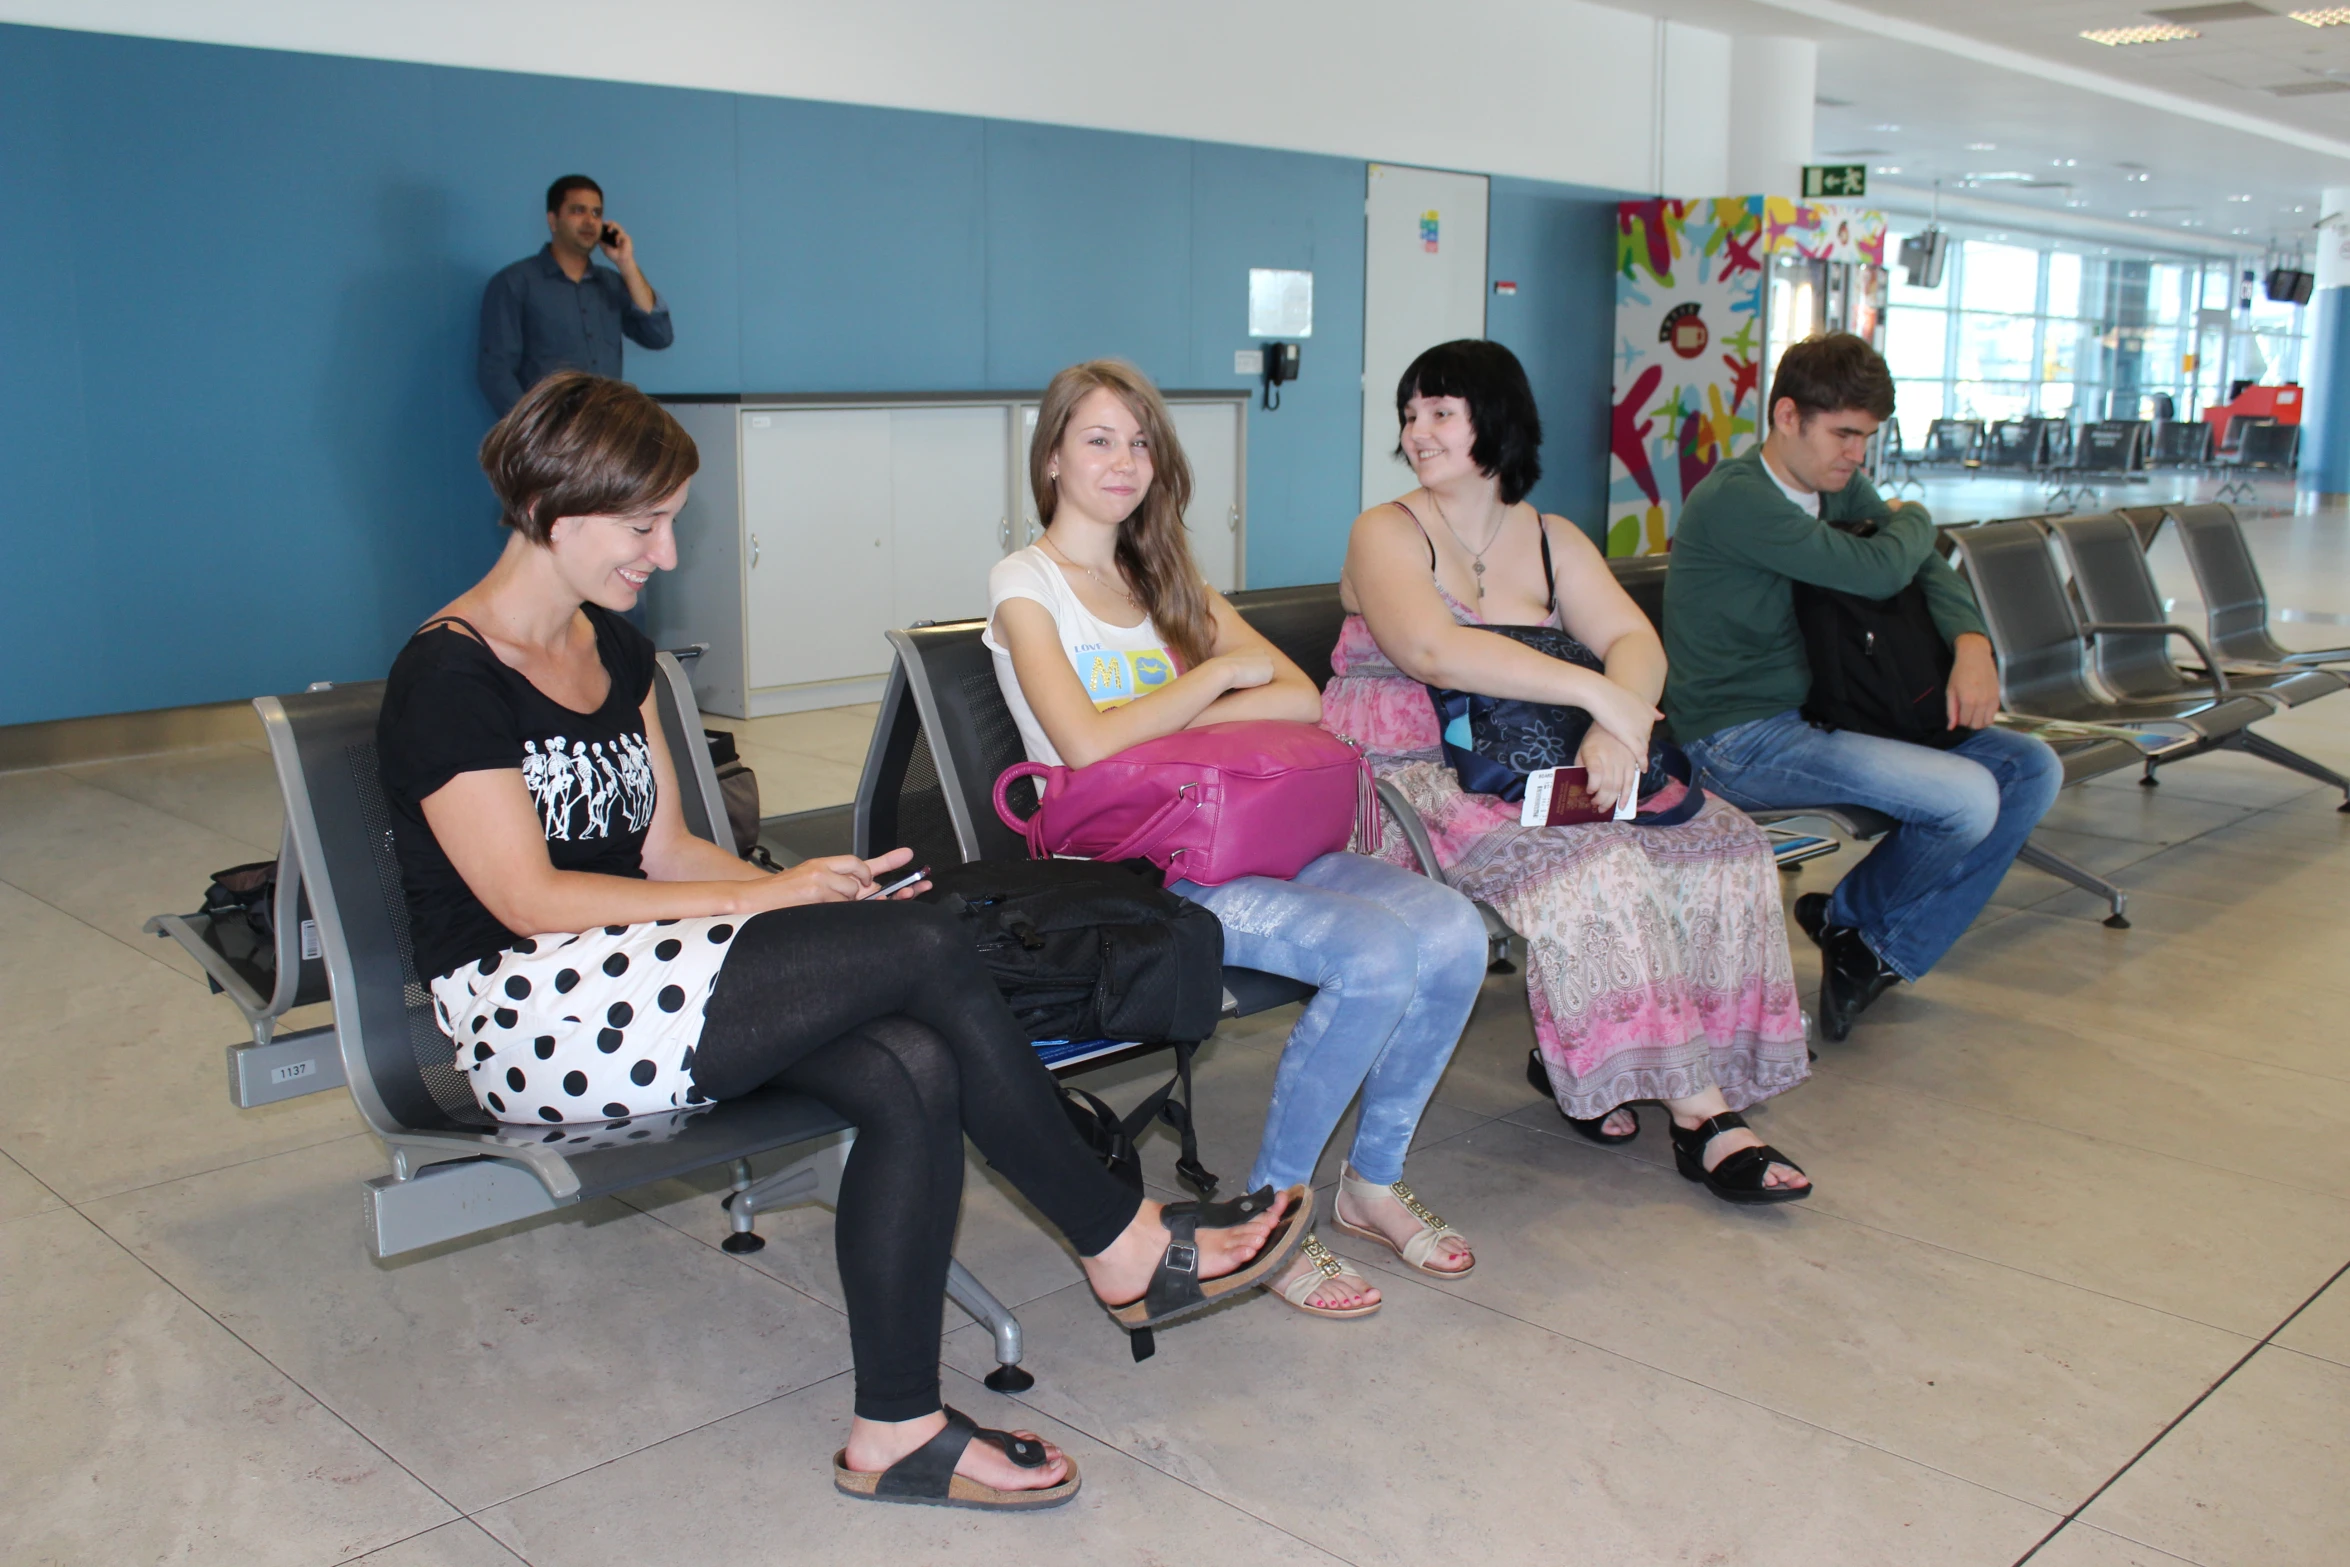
(534, 320)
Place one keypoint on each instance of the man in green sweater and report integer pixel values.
(1738, 676)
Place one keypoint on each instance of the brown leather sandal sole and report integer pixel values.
(926, 1478)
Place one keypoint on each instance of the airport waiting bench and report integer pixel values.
(2235, 601)
(454, 1171)
(2045, 660)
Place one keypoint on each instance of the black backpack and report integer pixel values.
(1878, 666)
(1086, 950)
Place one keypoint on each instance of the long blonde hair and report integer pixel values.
(1152, 549)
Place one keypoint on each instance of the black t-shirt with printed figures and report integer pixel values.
(451, 707)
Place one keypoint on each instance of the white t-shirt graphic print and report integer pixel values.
(1116, 664)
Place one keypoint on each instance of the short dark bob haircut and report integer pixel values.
(578, 445)
(1830, 372)
(1490, 380)
(566, 185)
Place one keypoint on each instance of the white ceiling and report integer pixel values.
(2002, 100)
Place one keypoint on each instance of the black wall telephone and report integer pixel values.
(1281, 362)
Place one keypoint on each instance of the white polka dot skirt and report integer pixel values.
(595, 1027)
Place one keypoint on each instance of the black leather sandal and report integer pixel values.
(1176, 1289)
(926, 1476)
(1739, 1177)
(1538, 1078)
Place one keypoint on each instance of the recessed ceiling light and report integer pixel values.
(2156, 33)
(2230, 11)
(2140, 212)
(1887, 168)
(1888, 127)
(2300, 209)
(2137, 179)
(2076, 202)
(2245, 197)
(2064, 163)
(1982, 146)
(2324, 16)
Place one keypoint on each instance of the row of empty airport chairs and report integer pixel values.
(2075, 461)
(2096, 649)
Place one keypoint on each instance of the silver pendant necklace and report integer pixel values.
(1476, 556)
(1099, 581)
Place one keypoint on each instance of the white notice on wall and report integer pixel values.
(1280, 304)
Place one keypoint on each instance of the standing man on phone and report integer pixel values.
(557, 310)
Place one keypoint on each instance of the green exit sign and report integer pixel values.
(1835, 179)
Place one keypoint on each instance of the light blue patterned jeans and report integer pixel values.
(1398, 959)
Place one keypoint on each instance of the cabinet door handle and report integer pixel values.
(754, 550)
(1232, 518)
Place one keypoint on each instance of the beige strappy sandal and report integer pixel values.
(1303, 1283)
(1422, 1245)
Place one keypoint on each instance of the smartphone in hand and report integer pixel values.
(900, 885)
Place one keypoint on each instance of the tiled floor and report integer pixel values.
(2074, 1269)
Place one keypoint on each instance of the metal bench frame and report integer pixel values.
(454, 1173)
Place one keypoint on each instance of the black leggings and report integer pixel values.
(882, 1011)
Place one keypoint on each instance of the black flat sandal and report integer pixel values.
(1538, 1078)
(926, 1476)
(1176, 1289)
(1739, 1177)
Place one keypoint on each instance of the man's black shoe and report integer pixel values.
(1811, 912)
(1851, 976)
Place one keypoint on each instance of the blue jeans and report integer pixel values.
(1398, 960)
(1963, 814)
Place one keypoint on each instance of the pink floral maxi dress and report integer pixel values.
(1656, 956)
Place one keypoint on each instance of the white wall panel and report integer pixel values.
(1693, 148)
(1548, 89)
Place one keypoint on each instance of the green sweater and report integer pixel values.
(1733, 651)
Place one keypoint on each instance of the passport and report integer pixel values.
(1561, 797)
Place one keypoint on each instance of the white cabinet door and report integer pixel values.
(816, 544)
(1210, 433)
(1025, 526)
(951, 507)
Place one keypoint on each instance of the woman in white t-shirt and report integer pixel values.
(1104, 636)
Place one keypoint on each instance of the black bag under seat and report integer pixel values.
(1878, 666)
(241, 905)
(1086, 950)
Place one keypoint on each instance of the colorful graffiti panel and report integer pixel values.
(1688, 355)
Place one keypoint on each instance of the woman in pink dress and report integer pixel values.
(1657, 964)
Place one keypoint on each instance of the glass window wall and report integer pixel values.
(2014, 330)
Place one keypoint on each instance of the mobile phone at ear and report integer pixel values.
(611, 235)
(900, 885)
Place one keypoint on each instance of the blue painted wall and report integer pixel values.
(1558, 244)
(238, 414)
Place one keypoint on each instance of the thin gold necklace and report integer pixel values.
(1110, 587)
(1476, 556)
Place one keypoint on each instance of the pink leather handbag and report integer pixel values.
(1261, 797)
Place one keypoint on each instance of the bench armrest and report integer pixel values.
(1415, 832)
(2152, 628)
